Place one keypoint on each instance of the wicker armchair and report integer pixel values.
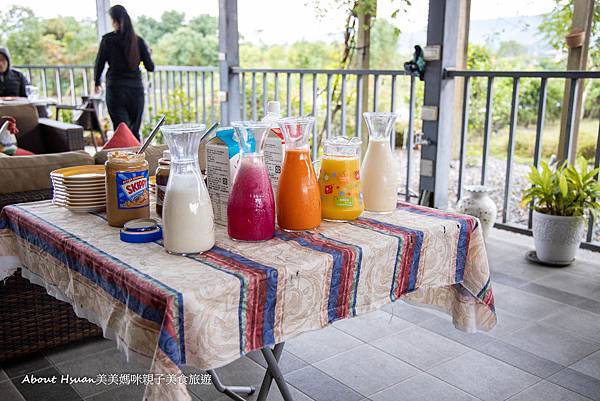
(30, 319)
(43, 135)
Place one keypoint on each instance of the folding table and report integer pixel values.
(207, 310)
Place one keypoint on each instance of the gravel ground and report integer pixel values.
(496, 177)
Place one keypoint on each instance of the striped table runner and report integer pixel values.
(208, 310)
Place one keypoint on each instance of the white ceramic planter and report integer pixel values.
(557, 238)
(477, 203)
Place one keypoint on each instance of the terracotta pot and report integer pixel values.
(575, 38)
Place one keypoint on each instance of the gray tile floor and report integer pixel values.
(546, 347)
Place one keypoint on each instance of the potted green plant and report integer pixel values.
(561, 197)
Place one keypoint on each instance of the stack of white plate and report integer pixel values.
(80, 188)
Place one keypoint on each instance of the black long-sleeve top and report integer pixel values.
(12, 82)
(112, 51)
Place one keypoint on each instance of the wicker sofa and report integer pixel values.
(31, 320)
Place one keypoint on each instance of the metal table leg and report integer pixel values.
(266, 384)
(230, 391)
(273, 368)
(272, 357)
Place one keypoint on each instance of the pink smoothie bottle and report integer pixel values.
(251, 205)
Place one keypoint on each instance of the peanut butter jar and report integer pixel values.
(127, 194)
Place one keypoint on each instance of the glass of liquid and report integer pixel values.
(379, 176)
(251, 204)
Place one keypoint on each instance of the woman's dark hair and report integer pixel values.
(132, 49)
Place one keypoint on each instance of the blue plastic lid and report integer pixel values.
(138, 237)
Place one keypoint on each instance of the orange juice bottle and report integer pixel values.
(339, 180)
(298, 196)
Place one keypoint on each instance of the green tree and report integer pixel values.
(557, 24)
(170, 21)
(177, 42)
(22, 33)
(148, 28)
(384, 46)
(33, 40)
(153, 30)
(186, 47)
(204, 24)
(511, 48)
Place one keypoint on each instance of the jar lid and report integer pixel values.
(166, 154)
(125, 156)
(342, 146)
(140, 231)
(140, 225)
(138, 237)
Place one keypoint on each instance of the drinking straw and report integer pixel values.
(209, 130)
(152, 135)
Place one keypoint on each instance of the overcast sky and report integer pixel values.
(283, 21)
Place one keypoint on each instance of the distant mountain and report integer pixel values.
(493, 31)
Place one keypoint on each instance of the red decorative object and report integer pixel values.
(23, 152)
(122, 138)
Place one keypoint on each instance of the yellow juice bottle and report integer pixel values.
(339, 180)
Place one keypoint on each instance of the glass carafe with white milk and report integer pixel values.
(188, 224)
(379, 176)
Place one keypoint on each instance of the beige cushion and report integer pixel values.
(31, 173)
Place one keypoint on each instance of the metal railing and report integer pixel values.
(179, 88)
(167, 88)
(65, 83)
(574, 79)
(336, 99)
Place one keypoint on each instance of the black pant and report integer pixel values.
(125, 105)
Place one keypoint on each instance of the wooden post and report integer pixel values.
(103, 22)
(461, 63)
(229, 57)
(363, 44)
(443, 29)
(583, 12)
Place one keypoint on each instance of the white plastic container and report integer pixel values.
(274, 144)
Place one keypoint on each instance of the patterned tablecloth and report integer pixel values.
(208, 310)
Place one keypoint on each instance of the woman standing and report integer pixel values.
(123, 50)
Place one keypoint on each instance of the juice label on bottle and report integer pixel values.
(132, 189)
(343, 201)
(160, 194)
(340, 187)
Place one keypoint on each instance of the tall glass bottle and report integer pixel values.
(378, 173)
(339, 179)
(188, 225)
(251, 204)
(298, 195)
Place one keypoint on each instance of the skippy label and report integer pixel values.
(132, 189)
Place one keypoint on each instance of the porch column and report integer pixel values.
(446, 28)
(583, 12)
(103, 23)
(229, 57)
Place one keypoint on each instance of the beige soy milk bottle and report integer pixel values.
(379, 178)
